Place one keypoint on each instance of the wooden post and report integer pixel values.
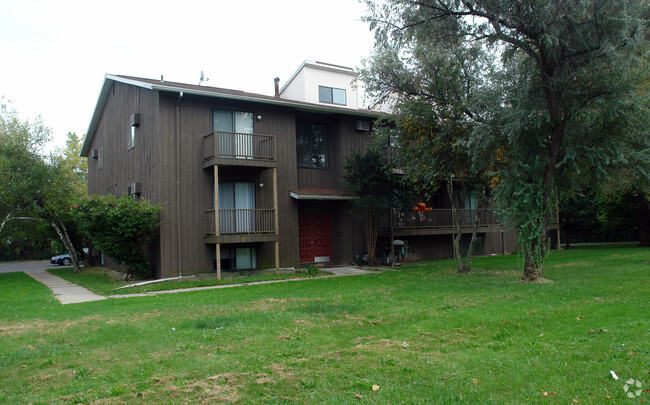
(276, 220)
(216, 219)
(391, 255)
(557, 218)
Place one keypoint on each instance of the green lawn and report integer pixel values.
(103, 282)
(421, 334)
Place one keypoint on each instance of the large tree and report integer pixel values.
(373, 182)
(36, 187)
(550, 90)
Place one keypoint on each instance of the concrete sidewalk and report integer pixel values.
(70, 293)
(63, 290)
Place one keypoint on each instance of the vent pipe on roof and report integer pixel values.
(277, 86)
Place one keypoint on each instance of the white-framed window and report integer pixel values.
(331, 95)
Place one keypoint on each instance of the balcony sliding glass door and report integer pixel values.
(234, 129)
(236, 207)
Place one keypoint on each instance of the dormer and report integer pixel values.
(322, 83)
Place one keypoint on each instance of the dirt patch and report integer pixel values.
(265, 380)
(211, 392)
(539, 280)
(43, 327)
(281, 371)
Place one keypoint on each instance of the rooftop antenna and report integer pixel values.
(203, 78)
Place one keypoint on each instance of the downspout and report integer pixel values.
(178, 182)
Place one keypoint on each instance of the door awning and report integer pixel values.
(321, 194)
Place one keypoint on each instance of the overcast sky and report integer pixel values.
(55, 53)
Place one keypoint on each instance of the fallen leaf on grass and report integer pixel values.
(358, 396)
(475, 381)
(375, 387)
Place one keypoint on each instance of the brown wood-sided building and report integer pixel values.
(247, 181)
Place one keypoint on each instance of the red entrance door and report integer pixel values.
(315, 238)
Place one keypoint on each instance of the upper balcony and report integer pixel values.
(237, 149)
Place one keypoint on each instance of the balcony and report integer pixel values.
(236, 149)
(440, 222)
(241, 226)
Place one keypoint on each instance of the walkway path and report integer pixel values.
(70, 293)
(64, 291)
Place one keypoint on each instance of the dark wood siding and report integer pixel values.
(196, 182)
(343, 139)
(167, 162)
(123, 166)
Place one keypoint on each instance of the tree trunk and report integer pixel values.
(65, 238)
(470, 252)
(456, 224)
(5, 220)
(532, 271)
(372, 231)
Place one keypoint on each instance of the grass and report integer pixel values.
(105, 282)
(422, 335)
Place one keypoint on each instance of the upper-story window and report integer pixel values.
(132, 137)
(232, 121)
(331, 95)
(311, 145)
(135, 122)
(233, 128)
(100, 157)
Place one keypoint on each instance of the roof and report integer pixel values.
(206, 91)
(321, 194)
(322, 66)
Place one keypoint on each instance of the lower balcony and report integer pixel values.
(440, 222)
(240, 226)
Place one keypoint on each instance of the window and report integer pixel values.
(234, 128)
(135, 122)
(241, 258)
(100, 158)
(232, 121)
(331, 95)
(311, 144)
(236, 205)
(132, 137)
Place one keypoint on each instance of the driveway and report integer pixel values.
(33, 265)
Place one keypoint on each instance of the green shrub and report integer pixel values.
(121, 227)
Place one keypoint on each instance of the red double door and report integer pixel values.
(315, 238)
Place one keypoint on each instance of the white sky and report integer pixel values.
(55, 53)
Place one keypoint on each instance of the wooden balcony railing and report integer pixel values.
(442, 218)
(230, 145)
(241, 221)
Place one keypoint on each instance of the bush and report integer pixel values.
(121, 227)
